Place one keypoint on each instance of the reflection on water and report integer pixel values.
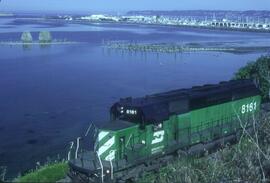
(49, 95)
(26, 47)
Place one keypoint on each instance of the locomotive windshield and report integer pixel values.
(126, 113)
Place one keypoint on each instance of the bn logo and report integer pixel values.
(158, 137)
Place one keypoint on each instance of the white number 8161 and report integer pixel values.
(249, 107)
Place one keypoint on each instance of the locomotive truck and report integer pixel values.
(148, 132)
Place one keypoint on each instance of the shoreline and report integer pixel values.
(87, 22)
(163, 25)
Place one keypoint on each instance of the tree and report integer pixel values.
(259, 71)
(26, 37)
(45, 37)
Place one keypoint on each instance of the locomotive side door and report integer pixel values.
(184, 129)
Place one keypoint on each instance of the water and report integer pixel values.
(49, 95)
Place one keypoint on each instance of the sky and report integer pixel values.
(126, 5)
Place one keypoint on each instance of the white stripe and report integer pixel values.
(101, 135)
(111, 156)
(106, 146)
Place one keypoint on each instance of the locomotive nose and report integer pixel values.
(86, 162)
(84, 168)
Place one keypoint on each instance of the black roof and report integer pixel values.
(158, 107)
(117, 125)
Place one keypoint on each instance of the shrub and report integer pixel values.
(45, 37)
(259, 71)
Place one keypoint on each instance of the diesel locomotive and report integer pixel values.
(148, 132)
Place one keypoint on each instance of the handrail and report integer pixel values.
(70, 148)
(101, 166)
(92, 128)
(111, 169)
(77, 148)
(88, 129)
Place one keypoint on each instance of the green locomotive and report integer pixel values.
(146, 133)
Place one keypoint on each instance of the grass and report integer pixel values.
(48, 173)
